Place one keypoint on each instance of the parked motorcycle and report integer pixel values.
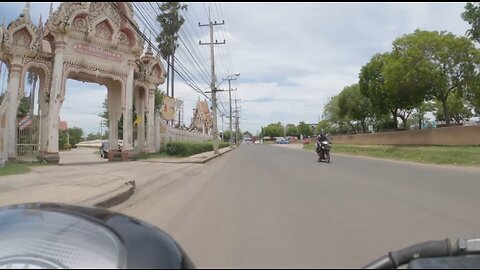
(323, 151)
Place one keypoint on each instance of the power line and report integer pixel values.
(201, 69)
(135, 27)
(227, 46)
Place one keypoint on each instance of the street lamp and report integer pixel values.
(229, 77)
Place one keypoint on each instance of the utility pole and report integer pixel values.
(222, 115)
(230, 100)
(237, 121)
(213, 87)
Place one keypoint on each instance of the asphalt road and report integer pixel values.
(263, 206)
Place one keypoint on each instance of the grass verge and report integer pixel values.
(451, 155)
(14, 168)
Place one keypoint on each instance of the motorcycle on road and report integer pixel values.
(323, 151)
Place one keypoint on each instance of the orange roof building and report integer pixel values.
(202, 119)
(62, 125)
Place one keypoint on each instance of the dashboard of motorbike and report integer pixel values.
(48, 235)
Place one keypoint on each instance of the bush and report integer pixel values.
(190, 148)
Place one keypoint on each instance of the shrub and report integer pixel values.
(190, 148)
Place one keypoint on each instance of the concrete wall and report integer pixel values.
(469, 135)
(168, 134)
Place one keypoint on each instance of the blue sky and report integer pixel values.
(292, 56)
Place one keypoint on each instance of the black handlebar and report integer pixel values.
(428, 249)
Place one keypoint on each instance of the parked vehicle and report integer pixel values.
(104, 149)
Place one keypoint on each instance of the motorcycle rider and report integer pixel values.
(321, 138)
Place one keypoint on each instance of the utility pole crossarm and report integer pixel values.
(208, 43)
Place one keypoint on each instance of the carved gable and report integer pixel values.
(22, 38)
(103, 30)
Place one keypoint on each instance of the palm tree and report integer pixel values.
(171, 22)
(32, 79)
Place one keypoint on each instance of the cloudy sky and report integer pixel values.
(292, 56)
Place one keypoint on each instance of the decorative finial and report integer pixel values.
(26, 11)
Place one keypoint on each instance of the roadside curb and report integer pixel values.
(117, 196)
(217, 155)
(185, 160)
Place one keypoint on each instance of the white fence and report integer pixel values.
(169, 134)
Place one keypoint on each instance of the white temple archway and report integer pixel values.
(90, 41)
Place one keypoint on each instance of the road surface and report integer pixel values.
(263, 206)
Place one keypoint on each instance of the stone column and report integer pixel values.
(52, 155)
(113, 101)
(128, 108)
(141, 126)
(150, 122)
(140, 97)
(157, 132)
(11, 113)
(43, 126)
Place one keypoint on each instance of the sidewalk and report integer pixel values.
(93, 183)
(91, 189)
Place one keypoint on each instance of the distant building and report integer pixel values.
(202, 119)
(62, 125)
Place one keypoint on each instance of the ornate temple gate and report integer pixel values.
(87, 41)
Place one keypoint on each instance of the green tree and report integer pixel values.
(273, 130)
(226, 135)
(324, 127)
(23, 107)
(451, 64)
(472, 16)
(304, 129)
(32, 79)
(158, 100)
(353, 106)
(420, 112)
(291, 130)
(372, 85)
(75, 136)
(473, 94)
(63, 140)
(104, 115)
(408, 74)
(171, 21)
(331, 113)
(94, 136)
(457, 106)
(247, 134)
